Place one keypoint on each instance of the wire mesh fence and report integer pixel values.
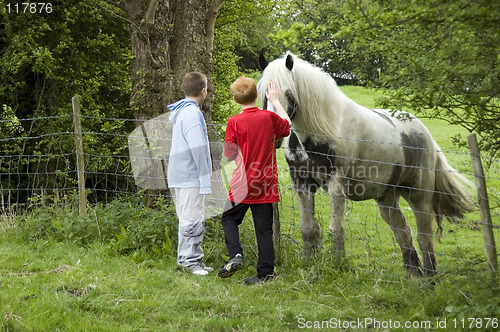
(38, 158)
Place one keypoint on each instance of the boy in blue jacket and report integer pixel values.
(189, 170)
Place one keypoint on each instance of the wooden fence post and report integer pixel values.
(277, 232)
(484, 207)
(80, 165)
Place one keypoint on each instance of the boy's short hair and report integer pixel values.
(193, 83)
(244, 90)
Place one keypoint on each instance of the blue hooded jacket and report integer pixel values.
(189, 164)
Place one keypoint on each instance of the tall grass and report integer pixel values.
(118, 280)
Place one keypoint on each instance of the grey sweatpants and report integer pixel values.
(190, 208)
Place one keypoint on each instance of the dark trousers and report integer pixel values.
(263, 222)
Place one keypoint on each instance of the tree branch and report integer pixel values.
(116, 4)
(212, 16)
(151, 12)
(115, 14)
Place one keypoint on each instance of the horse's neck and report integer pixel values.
(350, 107)
(346, 113)
(353, 121)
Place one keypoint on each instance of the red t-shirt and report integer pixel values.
(250, 139)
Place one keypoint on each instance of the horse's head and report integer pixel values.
(280, 71)
(309, 95)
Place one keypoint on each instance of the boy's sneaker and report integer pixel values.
(234, 264)
(207, 268)
(257, 280)
(199, 270)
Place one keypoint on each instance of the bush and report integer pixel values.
(127, 225)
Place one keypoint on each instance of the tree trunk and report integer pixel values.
(170, 38)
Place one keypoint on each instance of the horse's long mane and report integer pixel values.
(320, 101)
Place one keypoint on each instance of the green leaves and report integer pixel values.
(45, 60)
(439, 58)
(321, 33)
(127, 226)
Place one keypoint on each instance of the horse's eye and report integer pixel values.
(290, 98)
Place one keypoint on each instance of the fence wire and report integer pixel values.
(37, 162)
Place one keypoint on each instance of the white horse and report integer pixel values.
(357, 153)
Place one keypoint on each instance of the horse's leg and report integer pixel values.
(337, 206)
(308, 225)
(392, 214)
(421, 204)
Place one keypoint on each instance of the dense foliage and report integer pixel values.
(126, 226)
(47, 58)
(309, 28)
(79, 48)
(242, 31)
(441, 58)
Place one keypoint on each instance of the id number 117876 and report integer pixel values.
(29, 8)
(475, 323)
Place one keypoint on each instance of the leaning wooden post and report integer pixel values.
(80, 166)
(484, 207)
(276, 219)
(277, 232)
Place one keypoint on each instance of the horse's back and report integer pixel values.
(387, 152)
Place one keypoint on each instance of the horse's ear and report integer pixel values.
(289, 62)
(262, 61)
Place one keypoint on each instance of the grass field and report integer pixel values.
(53, 285)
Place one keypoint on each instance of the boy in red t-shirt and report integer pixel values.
(250, 140)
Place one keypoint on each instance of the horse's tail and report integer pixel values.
(452, 195)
